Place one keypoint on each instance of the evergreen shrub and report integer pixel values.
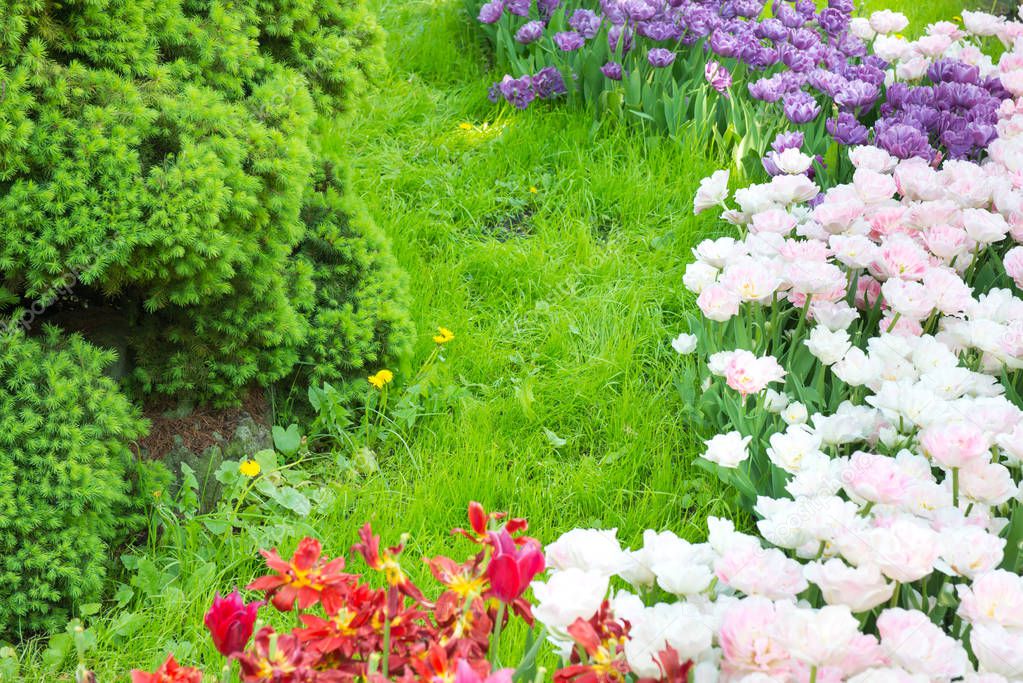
(161, 155)
(70, 485)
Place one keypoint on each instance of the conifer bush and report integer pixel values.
(357, 321)
(70, 485)
(162, 153)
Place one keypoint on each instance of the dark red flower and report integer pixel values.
(306, 579)
(276, 657)
(479, 522)
(230, 622)
(168, 672)
(514, 564)
(602, 638)
(672, 670)
(386, 561)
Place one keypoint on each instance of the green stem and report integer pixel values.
(495, 642)
(955, 487)
(798, 334)
(813, 674)
(387, 643)
(895, 595)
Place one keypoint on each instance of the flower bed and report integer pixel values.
(742, 71)
(855, 372)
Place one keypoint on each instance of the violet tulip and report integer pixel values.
(718, 76)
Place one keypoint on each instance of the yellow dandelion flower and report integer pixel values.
(381, 378)
(532, 189)
(443, 336)
(465, 126)
(249, 468)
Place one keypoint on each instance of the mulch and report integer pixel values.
(198, 430)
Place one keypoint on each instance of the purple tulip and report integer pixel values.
(799, 107)
(620, 38)
(548, 82)
(660, 57)
(788, 16)
(658, 30)
(904, 141)
(772, 29)
(517, 91)
(724, 44)
(792, 139)
(857, 95)
(749, 8)
(847, 130)
(612, 70)
(826, 81)
(547, 7)
(585, 22)
(491, 12)
(569, 41)
(804, 39)
(719, 77)
(639, 10)
(530, 32)
(766, 90)
(518, 7)
(833, 21)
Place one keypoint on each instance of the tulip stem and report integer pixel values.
(495, 641)
(955, 487)
(799, 329)
(387, 644)
(813, 674)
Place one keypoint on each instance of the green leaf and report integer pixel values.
(57, 650)
(188, 494)
(216, 526)
(123, 595)
(287, 441)
(315, 397)
(526, 670)
(127, 624)
(554, 439)
(267, 460)
(88, 609)
(1013, 539)
(292, 499)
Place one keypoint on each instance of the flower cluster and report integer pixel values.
(862, 348)
(545, 84)
(351, 630)
(854, 80)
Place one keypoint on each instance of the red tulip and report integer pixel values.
(306, 579)
(479, 522)
(168, 672)
(514, 564)
(230, 622)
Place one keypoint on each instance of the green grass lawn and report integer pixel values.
(563, 302)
